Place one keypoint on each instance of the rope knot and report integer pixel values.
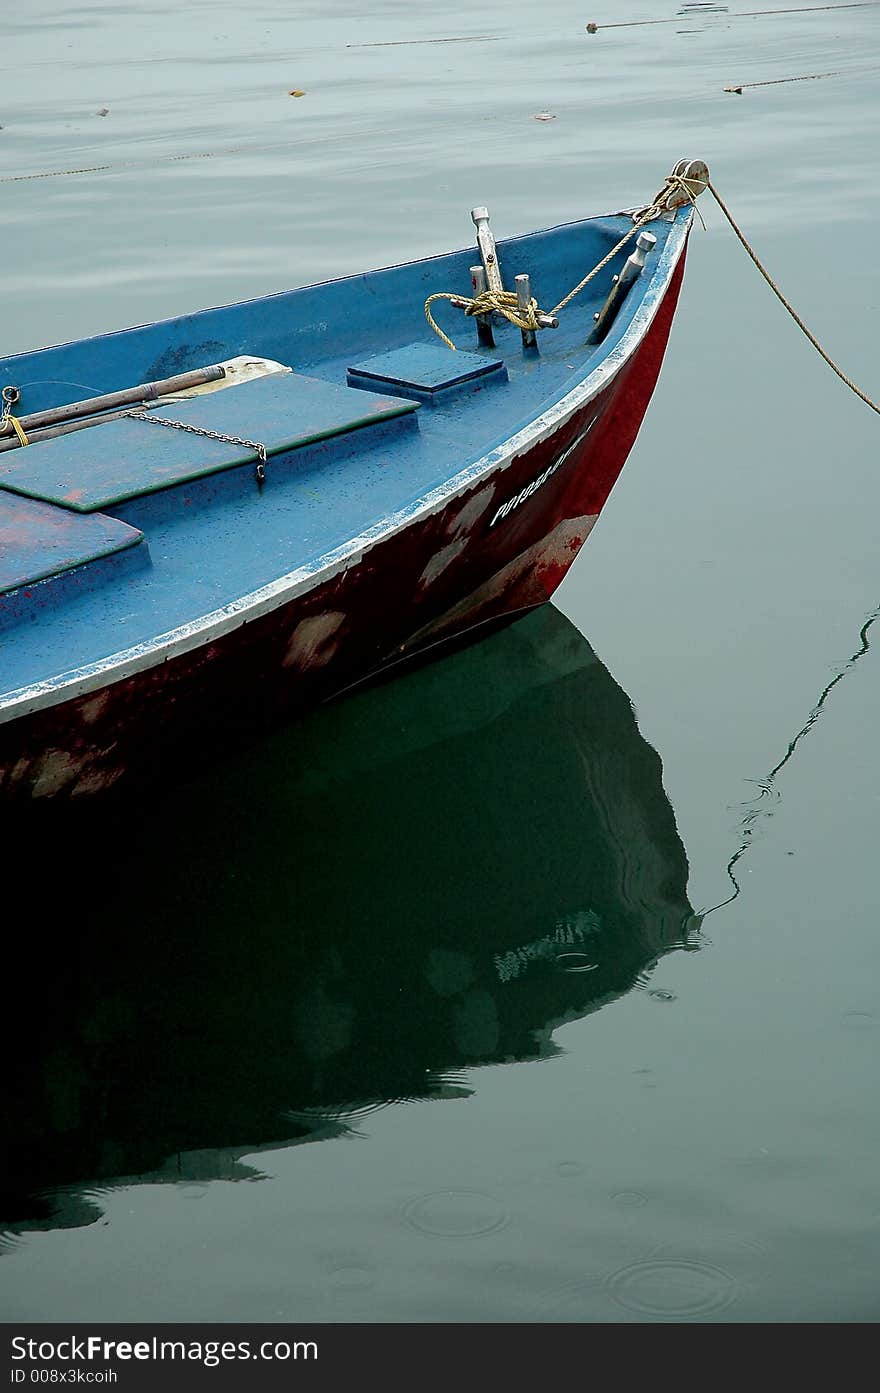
(503, 302)
(506, 303)
(684, 185)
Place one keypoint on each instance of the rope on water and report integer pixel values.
(786, 305)
(148, 163)
(735, 14)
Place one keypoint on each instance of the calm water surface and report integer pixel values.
(423, 1010)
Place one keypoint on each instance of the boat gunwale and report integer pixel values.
(184, 638)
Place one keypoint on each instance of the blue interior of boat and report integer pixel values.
(349, 439)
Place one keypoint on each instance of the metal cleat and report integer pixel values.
(479, 284)
(632, 269)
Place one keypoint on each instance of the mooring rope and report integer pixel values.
(786, 304)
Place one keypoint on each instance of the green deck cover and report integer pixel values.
(123, 459)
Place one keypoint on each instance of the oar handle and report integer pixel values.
(129, 396)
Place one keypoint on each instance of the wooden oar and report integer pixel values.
(66, 428)
(110, 401)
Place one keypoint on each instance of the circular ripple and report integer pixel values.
(673, 1289)
(456, 1214)
(575, 962)
(630, 1199)
(569, 1168)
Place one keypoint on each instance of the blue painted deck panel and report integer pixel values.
(426, 371)
(106, 465)
(39, 541)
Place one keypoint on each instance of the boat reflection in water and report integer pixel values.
(430, 875)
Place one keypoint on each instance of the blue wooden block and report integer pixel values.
(425, 371)
(123, 459)
(38, 540)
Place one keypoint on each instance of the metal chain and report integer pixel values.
(255, 445)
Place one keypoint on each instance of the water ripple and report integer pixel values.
(673, 1289)
(456, 1214)
(575, 962)
(629, 1199)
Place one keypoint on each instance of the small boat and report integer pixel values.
(335, 490)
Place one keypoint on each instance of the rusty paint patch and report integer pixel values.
(97, 781)
(16, 773)
(464, 519)
(94, 708)
(528, 579)
(440, 560)
(314, 641)
(55, 772)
